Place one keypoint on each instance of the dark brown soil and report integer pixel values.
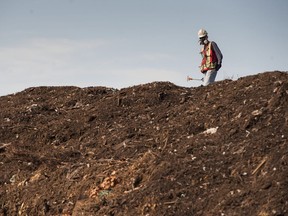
(152, 149)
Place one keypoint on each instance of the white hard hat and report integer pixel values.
(202, 33)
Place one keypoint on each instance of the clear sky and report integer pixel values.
(121, 43)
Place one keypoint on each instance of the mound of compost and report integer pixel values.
(152, 149)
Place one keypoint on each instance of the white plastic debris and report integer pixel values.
(211, 131)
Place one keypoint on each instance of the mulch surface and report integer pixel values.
(152, 149)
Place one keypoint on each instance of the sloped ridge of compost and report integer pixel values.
(152, 149)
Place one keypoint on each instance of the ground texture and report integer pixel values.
(152, 149)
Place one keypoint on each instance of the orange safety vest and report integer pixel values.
(209, 60)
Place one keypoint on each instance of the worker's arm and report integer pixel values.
(217, 52)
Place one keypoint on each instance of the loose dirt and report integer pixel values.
(152, 149)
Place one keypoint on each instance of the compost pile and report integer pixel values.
(152, 149)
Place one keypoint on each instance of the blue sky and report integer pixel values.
(121, 43)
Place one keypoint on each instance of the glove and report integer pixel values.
(218, 66)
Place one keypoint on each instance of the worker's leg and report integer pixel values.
(209, 77)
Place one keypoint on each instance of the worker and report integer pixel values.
(211, 57)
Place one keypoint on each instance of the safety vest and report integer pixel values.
(209, 60)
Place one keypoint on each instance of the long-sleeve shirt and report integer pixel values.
(217, 52)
